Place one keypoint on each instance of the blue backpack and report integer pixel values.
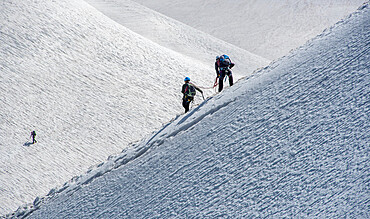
(225, 60)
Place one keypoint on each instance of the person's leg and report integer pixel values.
(231, 81)
(221, 81)
(186, 105)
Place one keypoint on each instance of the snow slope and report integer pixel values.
(177, 36)
(86, 84)
(268, 28)
(289, 141)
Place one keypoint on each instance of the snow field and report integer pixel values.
(86, 84)
(288, 141)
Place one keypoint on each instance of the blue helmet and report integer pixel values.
(187, 79)
(223, 57)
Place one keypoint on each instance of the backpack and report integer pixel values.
(225, 60)
(190, 91)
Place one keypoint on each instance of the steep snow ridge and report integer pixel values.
(86, 84)
(289, 141)
(177, 36)
(268, 28)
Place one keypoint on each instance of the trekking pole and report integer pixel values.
(203, 96)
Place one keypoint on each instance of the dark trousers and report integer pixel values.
(223, 73)
(186, 104)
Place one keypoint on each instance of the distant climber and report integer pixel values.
(223, 67)
(189, 91)
(33, 135)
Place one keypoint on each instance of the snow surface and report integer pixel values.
(175, 35)
(291, 140)
(89, 87)
(268, 28)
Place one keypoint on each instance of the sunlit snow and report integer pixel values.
(287, 140)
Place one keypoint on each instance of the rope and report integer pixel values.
(214, 85)
(208, 87)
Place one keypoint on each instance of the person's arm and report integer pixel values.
(197, 88)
